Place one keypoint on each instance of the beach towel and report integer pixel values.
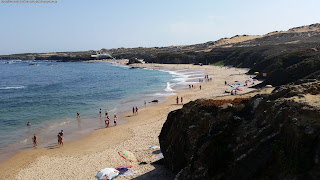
(107, 173)
(155, 147)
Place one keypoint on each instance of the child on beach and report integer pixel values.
(34, 139)
(115, 118)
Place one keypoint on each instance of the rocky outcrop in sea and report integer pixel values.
(270, 136)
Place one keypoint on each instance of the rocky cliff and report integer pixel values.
(274, 136)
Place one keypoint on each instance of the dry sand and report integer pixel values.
(82, 159)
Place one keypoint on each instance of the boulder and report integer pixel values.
(266, 137)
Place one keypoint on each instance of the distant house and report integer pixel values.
(101, 56)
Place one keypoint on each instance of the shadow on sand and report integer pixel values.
(53, 146)
(159, 173)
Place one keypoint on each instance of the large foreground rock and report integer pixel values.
(273, 136)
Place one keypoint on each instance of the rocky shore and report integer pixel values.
(269, 136)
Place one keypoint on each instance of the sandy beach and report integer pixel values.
(83, 158)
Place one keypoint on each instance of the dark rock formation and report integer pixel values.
(274, 136)
(133, 61)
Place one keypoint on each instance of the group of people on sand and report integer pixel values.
(135, 110)
(181, 99)
(60, 138)
(206, 78)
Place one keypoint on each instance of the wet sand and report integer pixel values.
(83, 158)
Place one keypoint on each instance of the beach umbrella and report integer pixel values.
(107, 173)
(127, 155)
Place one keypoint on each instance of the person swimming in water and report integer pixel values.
(29, 124)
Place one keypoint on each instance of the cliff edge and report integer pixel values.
(267, 136)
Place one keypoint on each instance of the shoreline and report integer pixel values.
(96, 142)
(73, 126)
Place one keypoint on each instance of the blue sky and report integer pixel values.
(76, 25)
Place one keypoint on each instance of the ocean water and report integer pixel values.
(49, 94)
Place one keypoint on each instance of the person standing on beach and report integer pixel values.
(136, 110)
(107, 121)
(181, 100)
(100, 112)
(200, 87)
(133, 110)
(225, 83)
(34, 139)
(59, 139)
(61, 136)
(115, 118)
(177, 100)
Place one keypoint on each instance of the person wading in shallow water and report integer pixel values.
(60, 138)
(35, 142)
(115, 118)
(107, 121)
(106, 112)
